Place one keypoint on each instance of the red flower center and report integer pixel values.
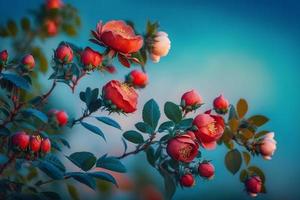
(185, 152)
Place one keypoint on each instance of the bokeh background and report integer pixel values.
(246, 49)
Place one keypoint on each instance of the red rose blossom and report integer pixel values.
(118, 36)
(64, 53)
(121, 95)
(28, 61)
(253, 185)
(187, 180)
(91, 57)
(21, 140)
(221, 104)
(182, 148)
(35, 143)
(45, 145)
(206, 170)
(53, 4)
(210, 129)
(138, 78)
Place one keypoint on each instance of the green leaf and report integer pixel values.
(104, 176)
(185, 124)
(232, 113)
(12, 27)
(242, 108)
(38, 114)
(83, 160)
(166, 126)
(247, 157)
(143, 127)
(233, 161)
(83, 178)
(53, 159)
(151, 113)
(261, 134)
(109, 121)
(133, 136)
(173, 112)
(258, 120)
(93, 129)
(51, 170)
(254, 170)
(111, 163)
(170, 186)
(25, 24)
(150, 155)
(243, 175)
(73, 192)
(17, 81)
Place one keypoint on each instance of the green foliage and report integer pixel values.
(83, 160)
(233, 161)
(151, 113)
(93, 129)
(173, 112)
(104, 176)
(110, 163)
(83, 178)
(242, 108)
(109, 121)
(38, 114)
(133, 136)
(17, 80)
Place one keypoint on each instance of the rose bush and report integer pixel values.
(173, 147)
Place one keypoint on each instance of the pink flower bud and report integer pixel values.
(46, 146)
(28, 61)
(138, 78)
(191, 100)
(64, 53)
(253, 185)
(267, 146)
(35, 143)
(221, 105)
(161, 46)
(91, 57)
(51, 27)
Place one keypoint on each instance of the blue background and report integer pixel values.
(246, 49)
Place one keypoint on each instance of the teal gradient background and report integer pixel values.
(246, 49)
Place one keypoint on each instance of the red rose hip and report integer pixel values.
(62, 118)
(221, 105)
(64, 53)
(187, 180)
(253, 185)
(137, 78)
(21, 140)
(45, 145)
(206, 170)
(35, 143)
(28, 61)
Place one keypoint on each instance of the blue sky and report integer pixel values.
(246, 49)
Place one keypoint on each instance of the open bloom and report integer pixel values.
(121, 96)
(91, 57)
(187, 180)
(119, 36)
(253, 185)
(267, 146)
(183, 148)
(210, 129)
(221, 104)
(160, 46)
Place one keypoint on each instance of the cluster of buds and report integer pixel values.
(30, 146)
(51, 25)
